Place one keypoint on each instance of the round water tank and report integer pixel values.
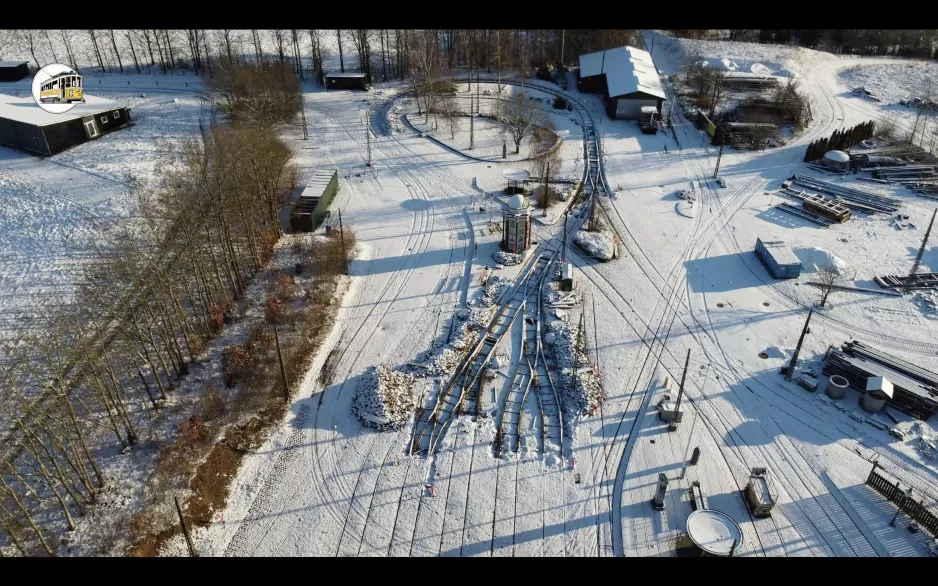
(837, 156)
(836, 387)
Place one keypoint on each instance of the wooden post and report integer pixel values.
(283, 370)
(305, 130)
(185, 530)
(342, 237)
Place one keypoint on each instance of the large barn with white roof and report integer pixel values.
(27, 127)
(627, 79)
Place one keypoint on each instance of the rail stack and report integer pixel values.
(904, 173)
(848, 195)
(919, 281)
(915, 390)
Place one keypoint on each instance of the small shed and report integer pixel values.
(780, 261)
(878, 391)
(567, 282)
(13, 70)
(838, 160)
(311, 208)
(345, 81)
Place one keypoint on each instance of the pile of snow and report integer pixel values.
(927, 441)
(760, 69)
(820, 259)
(583, 396)
(385, 398)
(598, 244)
(508, 258)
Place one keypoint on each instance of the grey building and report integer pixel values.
(27, 127)
(345, 81)
(13, 70)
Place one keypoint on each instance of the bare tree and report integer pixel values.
(130, 41)
(338, 40)
(520, 118)
(116, 52)
(30, 39)
(362, 40)
(827, 277)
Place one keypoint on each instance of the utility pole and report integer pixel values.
(342, 237)
(690, 436)
(562, 39)
(921, 251)
(305, 130)
(790, 369)
(472, 116)
(672, 425)
(498, 59)
(565, 215)
(716, 170)
(368, 139)
(185, 530)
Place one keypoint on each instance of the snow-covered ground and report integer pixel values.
(325, 484)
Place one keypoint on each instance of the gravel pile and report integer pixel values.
(598, 244)
(584, 396)
(493, 289)
(508, 258)
(385, 398)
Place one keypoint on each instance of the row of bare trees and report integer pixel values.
(384, 52)
(149, 303)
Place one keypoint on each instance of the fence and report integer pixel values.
(906, 503)
(704, 123)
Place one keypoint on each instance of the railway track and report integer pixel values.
(430, 430)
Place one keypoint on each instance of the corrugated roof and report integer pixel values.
(779, 251)
(628, 70)
(27, 111)
(344, 75)
(318, 182)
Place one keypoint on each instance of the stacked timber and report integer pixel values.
(915, 390)
(820, 205)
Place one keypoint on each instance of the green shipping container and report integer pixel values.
(310, 209)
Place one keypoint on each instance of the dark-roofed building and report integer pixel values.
(345, 81)
(626, 77)
(27, 127)
(13, 70)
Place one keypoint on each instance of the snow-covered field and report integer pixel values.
(325, 484)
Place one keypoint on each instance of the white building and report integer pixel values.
(627, 78)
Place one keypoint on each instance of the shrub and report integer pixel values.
(275, 310)
(236, 363)
(283, 289)
(560, 103)
(213, 404)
